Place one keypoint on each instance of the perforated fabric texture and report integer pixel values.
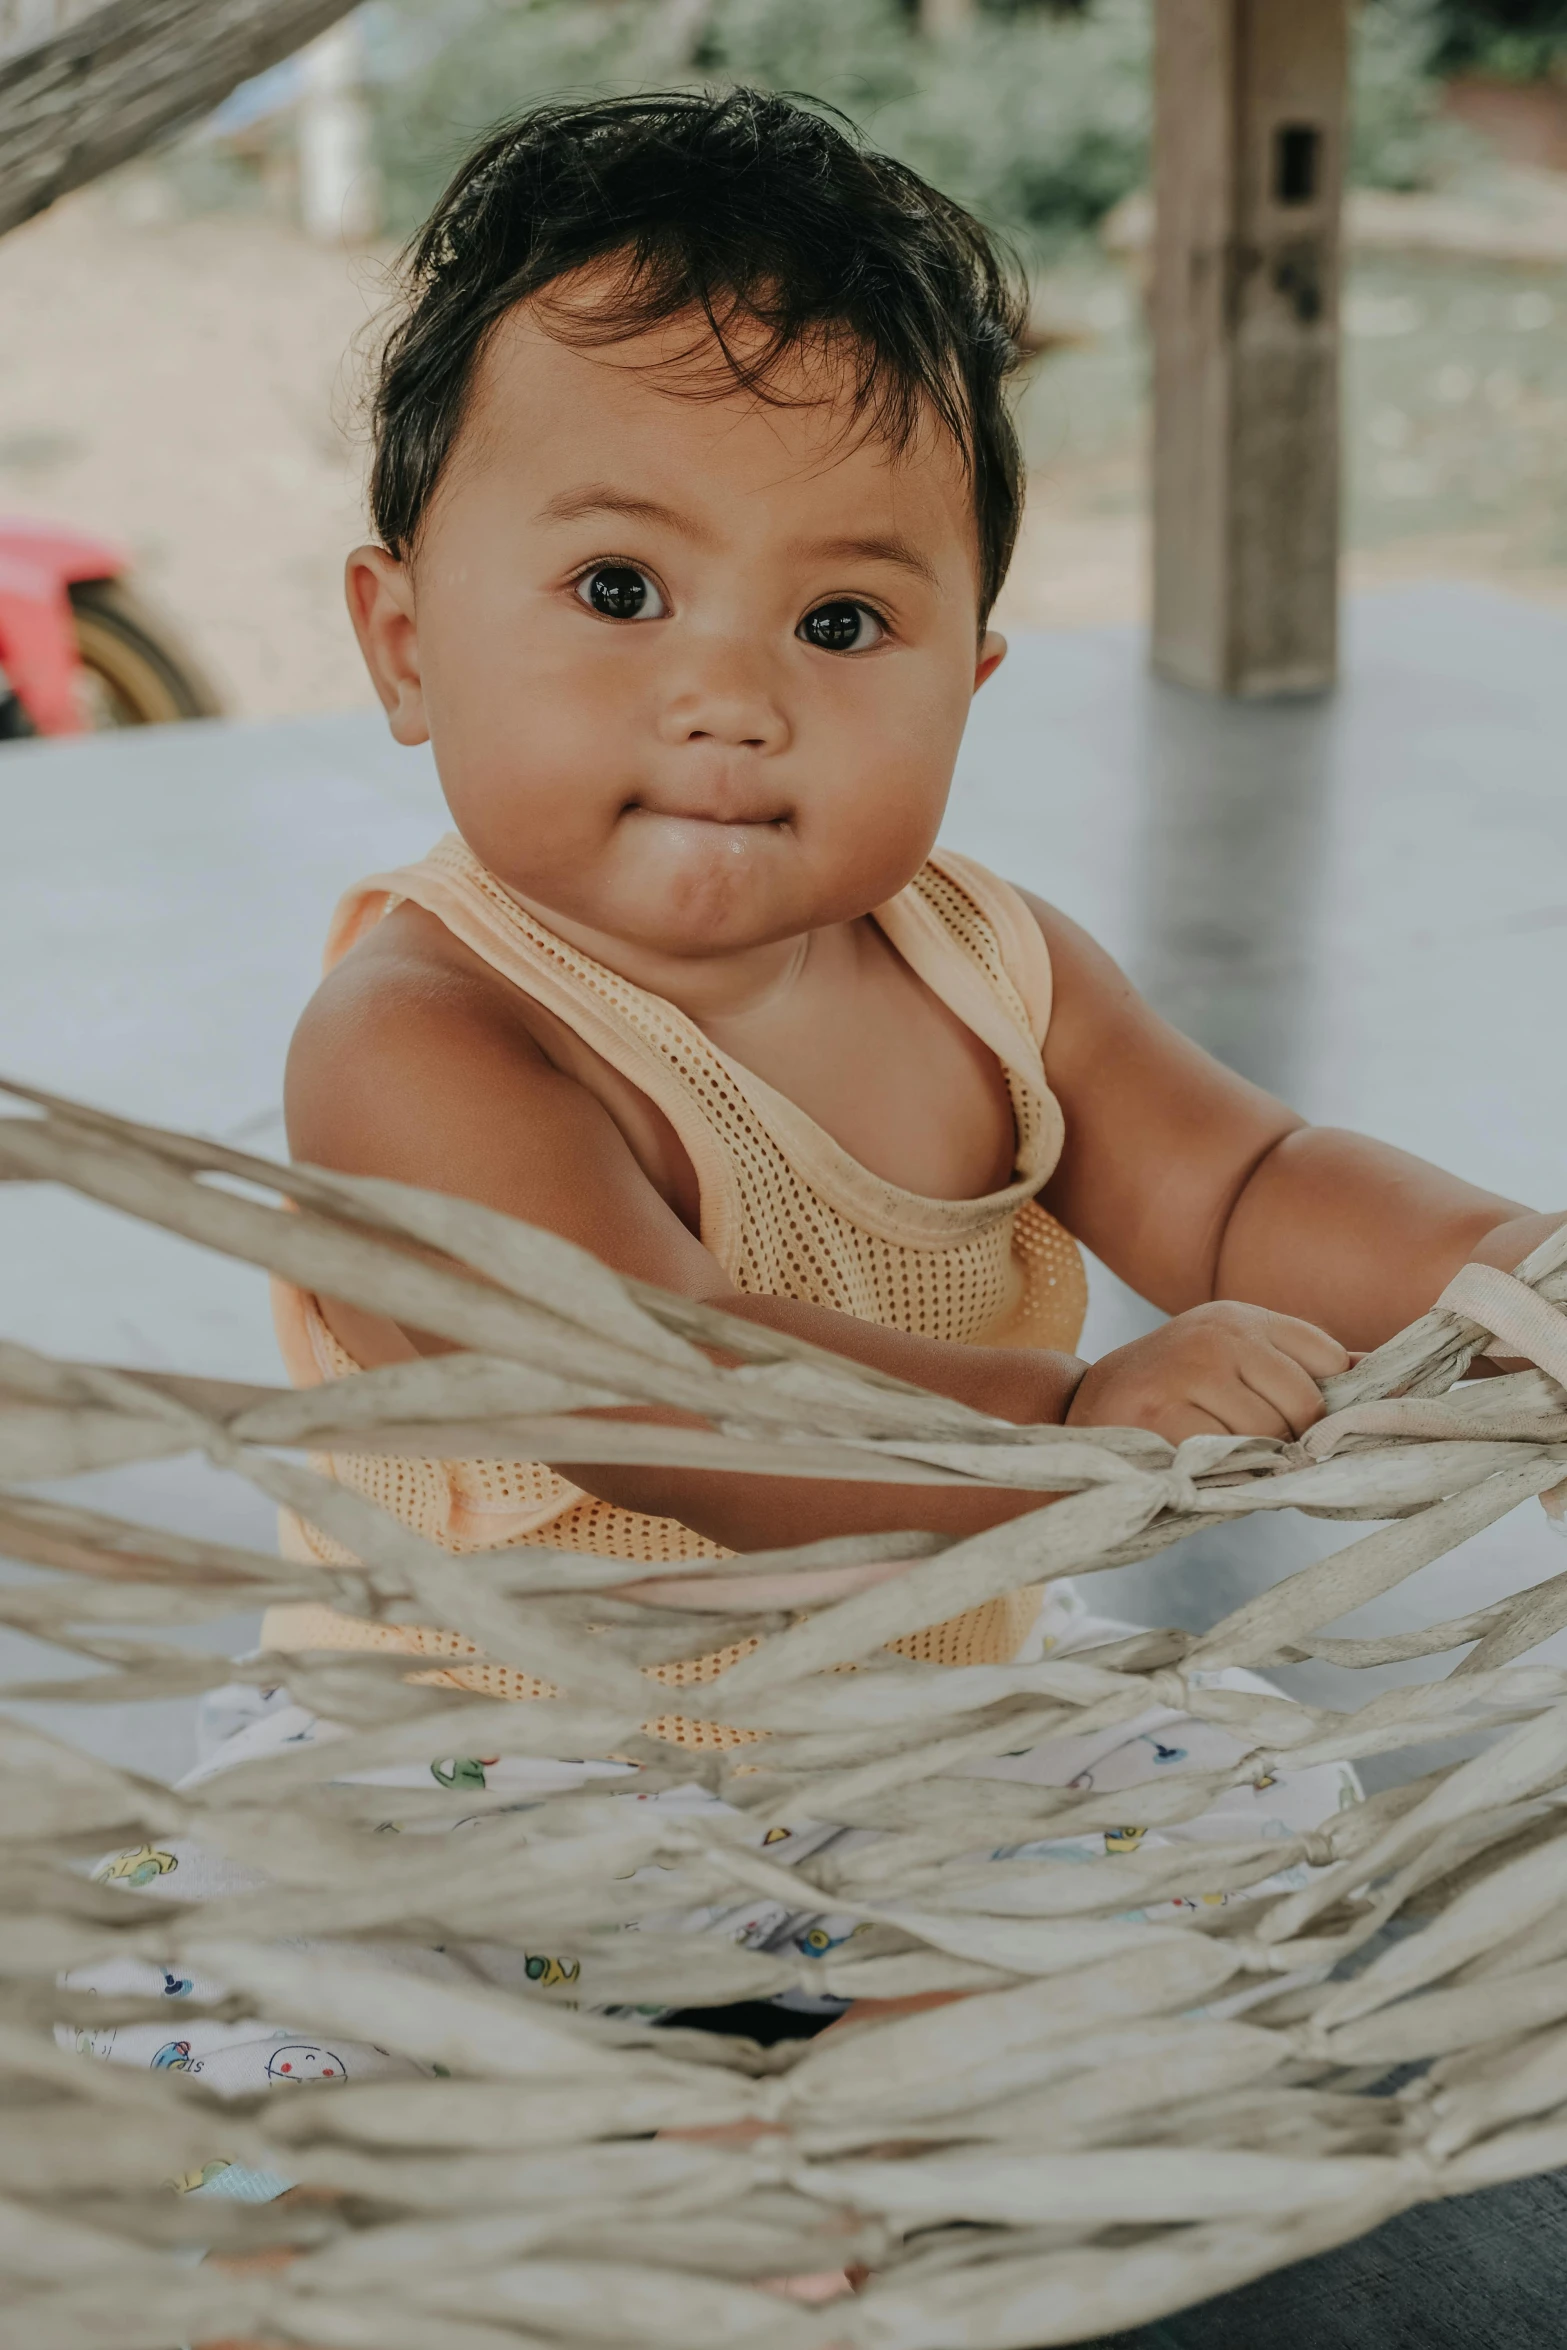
(322, 1627)
(783, 1207)
(467, 1505)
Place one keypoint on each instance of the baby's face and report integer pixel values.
(695, 668)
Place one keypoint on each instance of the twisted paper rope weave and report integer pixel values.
(1088, 2141)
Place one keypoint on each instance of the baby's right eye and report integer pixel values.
(619, 591)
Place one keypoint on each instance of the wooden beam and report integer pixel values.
(1248, 172)
(124, 76)
(25, 24)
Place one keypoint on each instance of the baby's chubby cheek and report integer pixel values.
(533, 783)
(580, 845)
(562, 815)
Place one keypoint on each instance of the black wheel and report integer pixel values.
(135, 670)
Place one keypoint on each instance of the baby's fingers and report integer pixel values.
(1226, 1411)
(1315, 1350)
(1281, 1384)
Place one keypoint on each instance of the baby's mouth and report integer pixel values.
(715, 819)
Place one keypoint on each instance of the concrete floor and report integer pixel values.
(1359, 902)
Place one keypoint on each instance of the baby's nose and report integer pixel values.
(733, 734)
(735, 722)
(726, 699)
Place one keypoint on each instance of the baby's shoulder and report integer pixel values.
(408, 986)
(414, 1060)
(410, 1026)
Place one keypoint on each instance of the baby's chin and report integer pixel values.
(690, 886)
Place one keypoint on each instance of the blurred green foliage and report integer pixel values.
(1514, 40)
(1037, 115)
(1398, 136)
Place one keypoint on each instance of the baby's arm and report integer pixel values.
(1222, 1206)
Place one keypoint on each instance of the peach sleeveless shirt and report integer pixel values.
(786, 1211)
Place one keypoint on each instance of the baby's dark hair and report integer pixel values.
(744, 207)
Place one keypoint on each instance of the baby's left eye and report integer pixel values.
(841, 627)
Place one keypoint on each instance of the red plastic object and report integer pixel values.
(39, 563)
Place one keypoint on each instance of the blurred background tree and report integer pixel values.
(1514, 40)
(1036, 112)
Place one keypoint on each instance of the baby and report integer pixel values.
(695, 485)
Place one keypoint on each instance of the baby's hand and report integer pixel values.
(1219, 1370)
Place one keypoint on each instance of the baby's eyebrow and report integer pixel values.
(596, 497)
(574, 505)
(874, 550)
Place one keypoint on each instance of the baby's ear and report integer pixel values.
(381, 606)
(992, 652)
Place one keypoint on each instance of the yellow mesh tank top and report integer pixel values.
(786, 1211)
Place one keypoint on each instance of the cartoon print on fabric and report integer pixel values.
(299, 2060)
(175, 2057)
(548, 1971)
(465, 1770)
(1077, 1852)
(177, 1986)
(187, 2181)
(1123, 1839)
(819, 1939)
(138, 1867)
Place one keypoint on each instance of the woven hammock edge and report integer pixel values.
(1128, 2112)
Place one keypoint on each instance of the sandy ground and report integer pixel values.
(189, 386)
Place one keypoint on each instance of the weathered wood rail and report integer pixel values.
(109, 81)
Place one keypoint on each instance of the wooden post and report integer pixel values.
(1248, 167)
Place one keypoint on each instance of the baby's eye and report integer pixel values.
(841, 627)
(619, 591)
